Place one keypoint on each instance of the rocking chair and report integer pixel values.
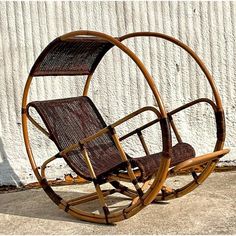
(93, 149)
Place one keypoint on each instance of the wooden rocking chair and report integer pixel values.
(93, 149)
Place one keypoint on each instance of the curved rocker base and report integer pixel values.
(136, 204)
(210, 160)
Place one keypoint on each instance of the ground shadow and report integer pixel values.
(5, 167)
(35, 204)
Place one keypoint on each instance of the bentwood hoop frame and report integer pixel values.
(150, 190)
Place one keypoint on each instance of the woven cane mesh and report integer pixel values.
(149, 164)
(77, 56)
(72, 119)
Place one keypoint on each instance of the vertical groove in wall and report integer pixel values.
(229, 46)
(196, 78)
(233, 49)
(147, 45)
(118, 87)
(139, 47)
(5, 117)
(129, 16)
(220, 38)
(160, 49)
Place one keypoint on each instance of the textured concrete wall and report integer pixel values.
(118, 87)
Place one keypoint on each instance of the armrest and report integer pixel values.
(169, 115)
(219, 116)
(109, 127)
(193, 103)
(136, 131)
(199, 160)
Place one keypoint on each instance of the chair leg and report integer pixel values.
(96, 184)
(131, 174)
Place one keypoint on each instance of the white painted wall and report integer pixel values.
(118, 87)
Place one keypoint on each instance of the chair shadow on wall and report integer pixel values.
(6, 168)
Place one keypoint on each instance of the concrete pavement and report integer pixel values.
(210, 209)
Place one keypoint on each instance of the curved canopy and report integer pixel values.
(73, 56)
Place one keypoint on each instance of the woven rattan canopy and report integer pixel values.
(94, 150)
(73, 56)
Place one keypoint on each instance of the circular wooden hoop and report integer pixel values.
(160, 176)
(186, 48)
(219, 143)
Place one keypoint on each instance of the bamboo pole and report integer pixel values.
(86, 87)
(140, 135)
(199, 160)
(97, 186)
(124, 158)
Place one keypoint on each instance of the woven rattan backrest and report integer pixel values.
(76, 56)
(72, 119)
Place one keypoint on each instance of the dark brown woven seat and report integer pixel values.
(148, 165)
(73, 119)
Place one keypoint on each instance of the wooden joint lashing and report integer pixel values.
(170, 118)
(163, 194)
(138, 189)
(165, 191)
(176, 193)
(220, 124)
(124, 214)
(96, 181)
(81, 146)
(140, 192)
(47, 188)
(111, 130)
(67, 207)
(139, 132)
(99, 181)
(58, 155)
(23, 110)
(195, 177)
(43, 183)
(134, 182)
(117, 185)
(112, 191)
(106, 213)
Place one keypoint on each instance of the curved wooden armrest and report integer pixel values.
(135, 113)
(187, 105)
(199, 160)
(44, 165)
(206, 100)
(109, 127)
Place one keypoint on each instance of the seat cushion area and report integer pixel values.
(149, 164)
